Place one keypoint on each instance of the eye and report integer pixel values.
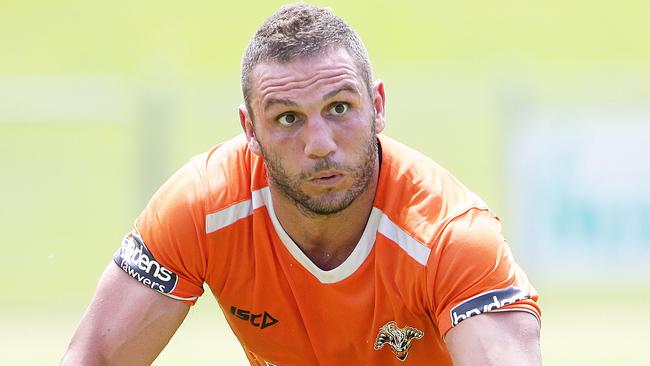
(339, 109)
(287, 119)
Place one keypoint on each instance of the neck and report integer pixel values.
(327, 240)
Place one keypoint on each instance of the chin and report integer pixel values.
(328, 204)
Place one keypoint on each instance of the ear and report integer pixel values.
(379, 103)
(247, 125)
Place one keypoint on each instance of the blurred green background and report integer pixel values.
(100, 101)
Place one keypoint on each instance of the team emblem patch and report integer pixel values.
(398, 339)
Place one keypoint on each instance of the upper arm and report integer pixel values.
(473, 272)
(125, 324)
(136, 308)
(507, 338)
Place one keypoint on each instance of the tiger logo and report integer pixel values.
(398, 339)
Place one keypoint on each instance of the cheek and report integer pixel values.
(283, 138)
(355, 132)
(284, 153)
(278, 143)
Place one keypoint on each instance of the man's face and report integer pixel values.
(315, 126)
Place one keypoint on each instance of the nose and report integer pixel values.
(318, 137)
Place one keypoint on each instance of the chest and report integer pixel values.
(284, 314)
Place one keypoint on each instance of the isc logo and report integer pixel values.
(261, 320)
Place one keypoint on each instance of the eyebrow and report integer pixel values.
(348, 88)
(288, 102)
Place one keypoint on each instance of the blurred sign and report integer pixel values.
(579, 195)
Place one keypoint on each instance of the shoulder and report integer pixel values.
(229, 172)
(420, 196)
(475, 241)
(208, 182)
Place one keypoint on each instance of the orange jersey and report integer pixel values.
(431, 256)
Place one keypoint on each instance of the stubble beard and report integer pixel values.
(326, 204)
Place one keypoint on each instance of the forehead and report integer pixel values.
(305, 75)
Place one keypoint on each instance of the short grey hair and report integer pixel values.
(299, 31)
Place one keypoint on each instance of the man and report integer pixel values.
(325, 242)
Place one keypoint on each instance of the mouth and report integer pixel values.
(328, 177)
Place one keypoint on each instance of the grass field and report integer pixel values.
(456, 73)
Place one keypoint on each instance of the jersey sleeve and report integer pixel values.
(165, 249)
(473, 272)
